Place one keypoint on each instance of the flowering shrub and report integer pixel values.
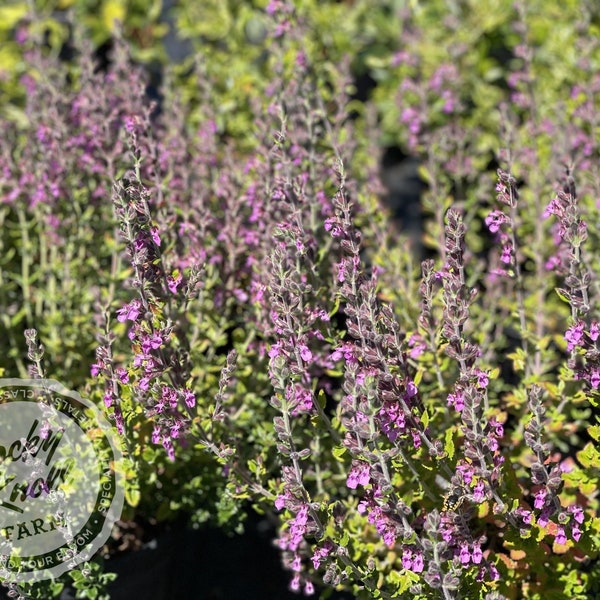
(259, 334)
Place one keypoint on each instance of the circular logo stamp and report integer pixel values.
(60, 479)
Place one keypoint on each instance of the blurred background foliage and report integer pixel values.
(230, 37)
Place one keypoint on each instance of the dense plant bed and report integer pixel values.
(217, 271)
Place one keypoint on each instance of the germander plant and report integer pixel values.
(259, 335)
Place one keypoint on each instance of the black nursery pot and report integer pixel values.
(203, 564)
(181, 563)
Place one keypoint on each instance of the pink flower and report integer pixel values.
(345, 351)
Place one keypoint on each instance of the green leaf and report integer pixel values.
(563, 295)
(449, 443)
(589, 456)
(321, 399)
(11, 15)
(339, 452)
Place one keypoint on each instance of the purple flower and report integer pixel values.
(577, 513)
(544, 517)
(155, 236)
(418, 564)
(464, 554)
(495, 220)
(479, 491)
(482, 379)
(130, 122)
(407, 558)
(174, 281)
(345, 351)
(298, 528)
(359, 475)
(303, 400)
(560, 537)
(149, 342)
(189, 398)
(96, 368)
(411, 389)
(129, 312)
(321, 553)
(168, 446)
(456, 400)
(540, 499)
(281, 500)
(574, 336)
(305, 353)
(122, 375)
(476, 554)
(175, 430)
(169, 395)
(275, 350)
(595, 378)
(467, 471)
(156, 435)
